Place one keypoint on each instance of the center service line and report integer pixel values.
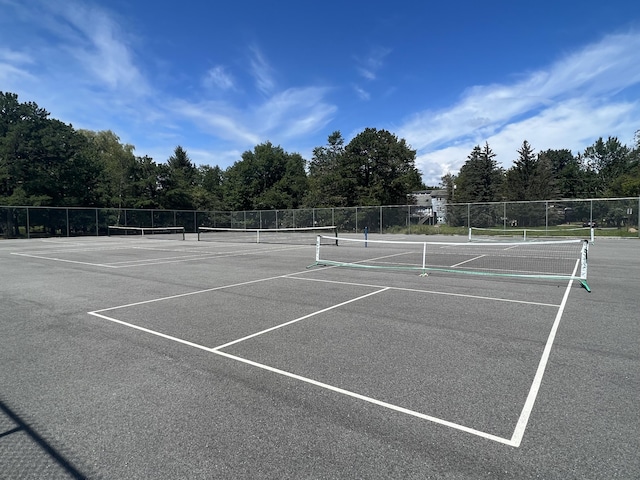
(299, 319)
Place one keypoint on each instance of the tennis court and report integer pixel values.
(141, 357)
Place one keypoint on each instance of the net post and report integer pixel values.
(424, 258)
(258, 236)
(524, 239)
(318, 241)
(593, 234)
(584, 254)
(335, 231)
(469, 233)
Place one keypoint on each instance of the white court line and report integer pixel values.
(467, 261)
(217, 351)
(380, 403)
(299, 319)
(518, 433)
(153, 261)
(63, 260)
(189, 293)
(521, 425)
(433, 292)
(146, 330)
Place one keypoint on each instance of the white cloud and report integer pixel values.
(568, 105)
(362, 93)
(105, 51)
(261, 71)
(216, 118)
(219, 77)
(368, 66)
(13, 56)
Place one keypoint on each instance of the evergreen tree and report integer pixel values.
(178, 181)
(530, 177)
(480, 178)
(607, 161)
(327, 186)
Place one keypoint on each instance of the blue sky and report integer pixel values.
(218, 78)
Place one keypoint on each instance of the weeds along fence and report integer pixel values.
(620, 216)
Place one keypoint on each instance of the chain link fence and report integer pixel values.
(616, 216)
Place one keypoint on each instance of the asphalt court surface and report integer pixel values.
(407, 377)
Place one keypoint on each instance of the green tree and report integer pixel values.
(480, 178)
(568, 175)
(178, 181)
(145, 185)
(118, 163)
(208, 193)
(379, 169)
(628, 184)
(447, 182)
(607, 160)
(327, 186)
(265, 178)
(43, 161)
(531, 177)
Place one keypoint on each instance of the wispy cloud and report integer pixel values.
(218, 77)
(261, 71)
(567, 105)
(361, 93)
(369, 65)
(94, 39)
(289, 114)
(296, 112)
(14, 56)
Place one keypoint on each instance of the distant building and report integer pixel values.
(430, 206)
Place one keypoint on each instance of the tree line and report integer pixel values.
(605, 169)
(45, 162)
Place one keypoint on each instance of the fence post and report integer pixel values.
(356, 219)
(546, 216)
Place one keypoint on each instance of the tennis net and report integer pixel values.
(525, 234)
(157, 233)
(295, 236)
(553, 259)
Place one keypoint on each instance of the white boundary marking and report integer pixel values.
(467, 261)
(518, 433)
(433, 292)
(153, 261)
(523, 419)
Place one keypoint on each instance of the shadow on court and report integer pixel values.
(39, 459)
